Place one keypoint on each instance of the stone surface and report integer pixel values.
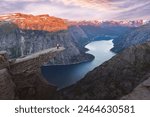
(22, 78)
(3, 59)
(141, 92)
(7, 86)
(33, 62)
(32, 86)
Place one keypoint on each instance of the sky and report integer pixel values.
(81, 9)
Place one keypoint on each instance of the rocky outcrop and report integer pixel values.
(141, 92)
(115, 78)
(32, 62)
(79, 36)
(3, 59)
(21, 78)
(136, 36)
(32, 86)
(7, 86)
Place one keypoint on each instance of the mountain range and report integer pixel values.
(22, 35)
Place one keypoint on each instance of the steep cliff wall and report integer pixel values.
(136, 36)
(18, 42)
(21, 78)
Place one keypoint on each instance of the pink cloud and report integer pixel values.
(80, 9)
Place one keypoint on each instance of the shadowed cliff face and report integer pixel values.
(115, 78)
(22, 79)
(137, 36)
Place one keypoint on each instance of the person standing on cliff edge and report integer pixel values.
(58, 46)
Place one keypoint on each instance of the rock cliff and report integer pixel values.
(115, 78)
(136, 36)
(21, 78)
(7, 86)
(22, 35)
(141, 92)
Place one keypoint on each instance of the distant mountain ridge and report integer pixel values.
(39, 22)
(134, 23)
(106, 29)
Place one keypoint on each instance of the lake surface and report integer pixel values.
(66, 75)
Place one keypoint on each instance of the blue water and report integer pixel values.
(65, 75)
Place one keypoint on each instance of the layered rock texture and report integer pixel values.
(116, 77)
(7, 86)
(138, 35)
(21, 78)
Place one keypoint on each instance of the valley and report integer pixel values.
(106, 72)
(72, 73)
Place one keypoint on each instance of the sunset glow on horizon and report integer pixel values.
(81, 9)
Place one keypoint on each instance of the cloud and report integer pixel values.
(116, 5)
(21, 0)
(80, 9)
(140, 12)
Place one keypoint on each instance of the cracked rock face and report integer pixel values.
(7, 86)
(22, 79)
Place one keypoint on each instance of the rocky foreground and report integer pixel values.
(21, 78)
(116, 77)
(141, 92)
